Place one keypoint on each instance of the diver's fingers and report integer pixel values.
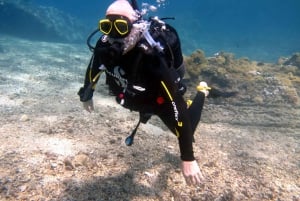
(91, 107)
(188, 180)
(88, 105)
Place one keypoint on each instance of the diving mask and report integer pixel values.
(115, 26)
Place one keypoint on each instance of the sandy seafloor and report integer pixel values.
(51, 149)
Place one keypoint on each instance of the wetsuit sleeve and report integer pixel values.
(178, 121)
(92, 75)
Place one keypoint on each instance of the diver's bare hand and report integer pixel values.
(191, 172)
(89, 105)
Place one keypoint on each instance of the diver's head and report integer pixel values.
(119, 19)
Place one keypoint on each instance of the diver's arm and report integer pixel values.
(94, 70)
(183, 129)
(92, 75)
(105, 55)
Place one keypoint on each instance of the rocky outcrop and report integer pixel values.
(256, 82)
(293, 61)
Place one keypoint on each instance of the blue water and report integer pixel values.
(258, 29)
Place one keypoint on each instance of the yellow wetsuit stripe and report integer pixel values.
(179, 123)
(93, 81)
(96, 77)
(166, 89)
(177, 133)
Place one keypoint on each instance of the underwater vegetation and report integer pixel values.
(256, 82)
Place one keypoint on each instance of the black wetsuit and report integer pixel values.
(147, 81)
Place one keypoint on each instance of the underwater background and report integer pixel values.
(258, 29)
(248, 145)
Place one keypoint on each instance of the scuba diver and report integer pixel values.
(143, 65)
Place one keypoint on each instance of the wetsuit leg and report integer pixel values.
(165, 113)
(179, 124)
(195, 110)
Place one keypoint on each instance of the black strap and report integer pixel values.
(129, 140)
(88, 41)
(135, 66)
(144, 117)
